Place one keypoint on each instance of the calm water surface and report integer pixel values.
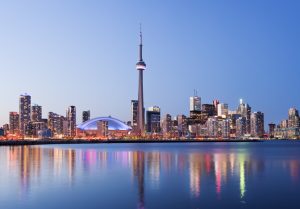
(160, 176)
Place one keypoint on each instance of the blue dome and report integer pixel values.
(113, 124)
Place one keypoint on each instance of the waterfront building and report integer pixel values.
(134, 114)
(271, 130)
(141, 66)
(293, 118)
(195, 103)
(37, 127)
(222, 110)
(36, 113)
(102, 128)
(182, 125)
(257, 124)
(56, 124)
(153, 119)
(240, 127)
(13, 123)
(86, 115)
(225, 128)
(71, 117)
(28, 129)
(2, 132)
(245, 111)
(166, 124)
(5, 129)
(212, 127)
(24, 112)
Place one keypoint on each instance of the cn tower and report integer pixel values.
(141, 66)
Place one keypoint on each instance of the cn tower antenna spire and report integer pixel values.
(141, 44)
(141, 34)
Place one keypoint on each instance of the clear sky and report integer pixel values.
(84, 53)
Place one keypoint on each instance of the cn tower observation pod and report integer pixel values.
(113, 124)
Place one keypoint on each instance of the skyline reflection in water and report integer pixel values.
(148, 176)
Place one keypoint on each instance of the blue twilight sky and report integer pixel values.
(84, 52)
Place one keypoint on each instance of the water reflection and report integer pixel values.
(147, 168)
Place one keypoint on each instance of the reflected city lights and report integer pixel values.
(147, 168)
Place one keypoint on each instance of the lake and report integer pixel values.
(151, 175)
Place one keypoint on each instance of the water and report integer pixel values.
(183, 175)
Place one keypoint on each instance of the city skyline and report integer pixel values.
(190, 55)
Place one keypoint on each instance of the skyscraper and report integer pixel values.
(13, 122)
(24, 112)
(71, 117)
(245, 111)
(166, 124)
(195, 103)
(240, 127)
(293, 120)
(222, 110)
(86, 115)
(182, 125)
(134, 114)
(141, 66)
(55, 124)
(36, 113)
(153, 119)
(257, 124)
(271, 130)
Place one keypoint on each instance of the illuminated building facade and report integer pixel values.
(71, 118)
(134, 114)
(166, 124)
(195, 103)
(36, 113)
(182, 125)
(222, 110)
(257, 124)
(24, 112)
(240, 127)
(153, 119)
(13, 123)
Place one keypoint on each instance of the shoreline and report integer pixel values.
(82, 141)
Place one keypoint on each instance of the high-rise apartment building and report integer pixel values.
(24, 112)
(225, 128)
(36, 113)
(13, 122)
(257, 124)
(153, 119)
(134, 114)
(182, 125)
(212, 127)
(71, 117)
(166, 124)
(240, 127)
(293, 118)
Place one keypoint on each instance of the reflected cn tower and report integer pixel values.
(141, 66)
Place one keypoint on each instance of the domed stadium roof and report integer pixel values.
(113, 124)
